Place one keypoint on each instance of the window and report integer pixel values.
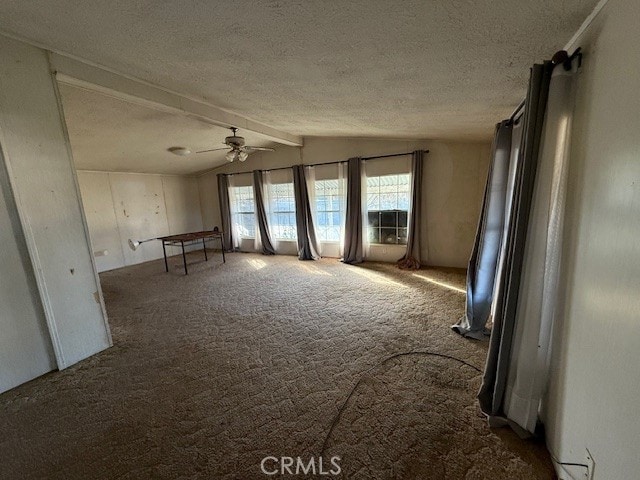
(243, 211)
(282, 203)
(387, 208)
(330, 202)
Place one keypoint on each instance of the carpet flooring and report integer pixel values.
(212, 372)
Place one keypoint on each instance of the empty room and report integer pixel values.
(288, 239)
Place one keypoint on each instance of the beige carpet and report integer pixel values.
(213, 371)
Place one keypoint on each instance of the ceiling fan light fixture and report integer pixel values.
(239, 151)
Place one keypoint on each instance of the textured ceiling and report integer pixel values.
(113, 135)
(416, 68)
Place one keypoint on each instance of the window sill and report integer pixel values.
(387, 244)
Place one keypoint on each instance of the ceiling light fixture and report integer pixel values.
(234, 155)
(180, 151)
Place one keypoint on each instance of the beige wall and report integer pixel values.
(453, 185)
(120, 206)
(595, 386)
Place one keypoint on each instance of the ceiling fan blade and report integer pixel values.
(213, 150)
(255, 149)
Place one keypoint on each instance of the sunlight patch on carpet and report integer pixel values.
(440, 284)
(376, 277)
(257, 263)
(312, 269)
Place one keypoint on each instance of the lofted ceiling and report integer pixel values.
(110, 134)
(377, 68)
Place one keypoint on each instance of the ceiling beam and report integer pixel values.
(73, 72)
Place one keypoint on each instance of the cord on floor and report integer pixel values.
(382, 363)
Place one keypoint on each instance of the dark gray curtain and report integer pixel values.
(353, 246)
(261, 214)
(307, 242)
(411, 259)
(481, 271)
(491, 395)
(225, 211)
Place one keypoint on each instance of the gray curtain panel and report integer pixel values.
(225, 211)
(481, 271)
(353, 245)
(261, 214)
(307, 242)
(539, 302)
(492, 391)
(411, 259)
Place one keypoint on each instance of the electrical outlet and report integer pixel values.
(591, 465)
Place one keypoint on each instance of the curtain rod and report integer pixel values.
(561, 57)
(391, 155)
(325, 163)
(520, 106)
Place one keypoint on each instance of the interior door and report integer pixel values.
(25, 345)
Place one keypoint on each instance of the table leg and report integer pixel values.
(164, 251)
(222, 248)
(184, 259)
(204, 247)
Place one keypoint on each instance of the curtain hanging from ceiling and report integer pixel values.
(538, 301)
(225, 210)
(481, 271)
(353, 241)
(236, 228)
(263, 241)
(507, 288)
(307, 242)
(412, 258)
(310, 174)
(342, 202)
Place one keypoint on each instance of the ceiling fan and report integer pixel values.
(239, 151)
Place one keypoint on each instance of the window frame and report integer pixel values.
(337, 209)
(235, 201)
(277, 228)
(398, 228)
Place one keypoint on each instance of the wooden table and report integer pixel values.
(191, 238)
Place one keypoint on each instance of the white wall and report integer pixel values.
(453, 185)
(101, 218)
(120, 206)
(39, 168)
(595, 387)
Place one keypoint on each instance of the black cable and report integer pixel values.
(336, 419)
